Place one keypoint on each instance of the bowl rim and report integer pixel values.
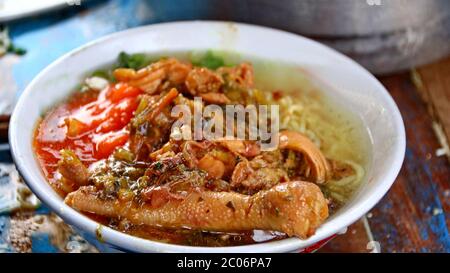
(127, 242)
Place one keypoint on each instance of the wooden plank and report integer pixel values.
(355, 240)
(433, 83)
(412, 217)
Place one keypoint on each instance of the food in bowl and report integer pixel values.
(112, 152)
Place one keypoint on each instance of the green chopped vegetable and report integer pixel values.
(209, 60)
(158, 166)
(102, 73)
(6, 46)
(105, 74)
(16, 50)
(134, 61)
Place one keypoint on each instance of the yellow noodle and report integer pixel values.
(333, 135)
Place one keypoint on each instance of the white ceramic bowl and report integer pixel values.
(340, 77)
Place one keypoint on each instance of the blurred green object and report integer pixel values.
(6, 46)
(134, 61)
(209, 60)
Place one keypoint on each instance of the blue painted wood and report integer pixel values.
(414, 215)
(49, 36)
(41, 244)
(5, 156)
(5, 247)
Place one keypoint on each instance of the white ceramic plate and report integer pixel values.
(14, 9)
(340, 77)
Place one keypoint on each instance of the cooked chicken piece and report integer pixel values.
(153, 110)
(260, 173)
(178, 73)
(175, 177)
(213, 159)
(241, 74)
(165, 151)
(215, 98)
(295, 141)
(241, 147)
(248, 180)
(72, 169)
(151, 126)
(207, 84)
(203, 80)
(295, 208)
(214, 167)
(151, 78)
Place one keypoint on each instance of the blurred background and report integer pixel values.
(406, 43)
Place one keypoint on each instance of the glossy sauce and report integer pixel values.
(91, 123)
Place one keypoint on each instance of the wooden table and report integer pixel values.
(413, 216)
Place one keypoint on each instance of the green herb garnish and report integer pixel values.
(16, 50)
(103, 73)
(158, 166)
(6, 46)
(209, 60)
(134, 61)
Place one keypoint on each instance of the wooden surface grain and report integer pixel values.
(433, 84)
(355, 240)
(413, 216)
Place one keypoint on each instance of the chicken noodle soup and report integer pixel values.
(113, 152)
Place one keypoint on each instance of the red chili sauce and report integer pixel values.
(91, 123)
